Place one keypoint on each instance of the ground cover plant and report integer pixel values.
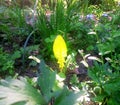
(59, 52)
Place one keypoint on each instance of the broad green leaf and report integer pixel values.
(46, 80)
(63, 93)
(20, 103)
(70, 98)
(19, 92)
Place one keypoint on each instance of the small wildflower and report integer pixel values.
(105, 14)
(90, 17)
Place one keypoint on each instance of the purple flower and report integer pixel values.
(90, 16)
(105, 14)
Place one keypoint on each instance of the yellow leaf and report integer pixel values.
(60, 50)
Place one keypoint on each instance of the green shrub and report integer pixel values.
(7, 62)
(106, 83)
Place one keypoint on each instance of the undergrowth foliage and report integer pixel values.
(20, 91)
(52, 29)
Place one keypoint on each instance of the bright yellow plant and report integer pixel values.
(60, 50)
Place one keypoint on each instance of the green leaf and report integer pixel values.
(100, 97)
(16, 92)
(16, 55)
(112, 85)
(105, 48)
(92, 73)
(20, 103)
(113, 101)
(46, 80)
(69, 98)
(62, 94)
